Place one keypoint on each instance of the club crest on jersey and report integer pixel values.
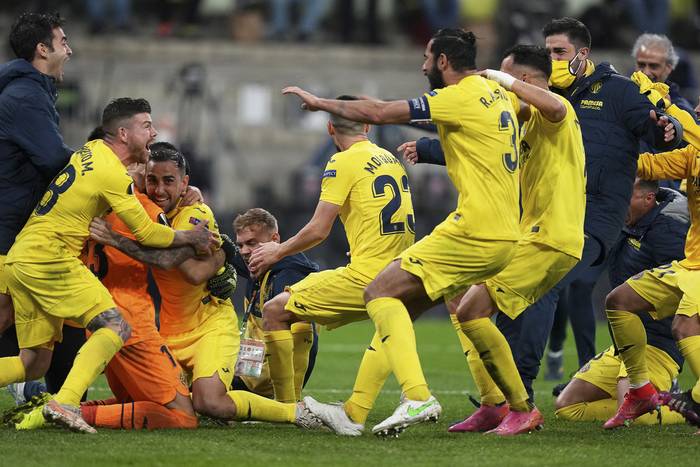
(596, 87)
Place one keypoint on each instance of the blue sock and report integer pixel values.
(33, 388)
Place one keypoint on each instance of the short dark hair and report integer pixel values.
(648, 186)
(575, 30)
(97, 133)
(531, 55)
(121, 109)
(343, 125)
(31, 29)
(163, 151)
(458, 45)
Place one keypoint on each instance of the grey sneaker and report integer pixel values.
(16, 390)
(334, 417)
(66, 416)
(306, 419)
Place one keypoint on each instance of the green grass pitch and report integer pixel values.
(560, 443)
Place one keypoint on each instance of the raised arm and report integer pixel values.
(549, 105)
(313, 233)
(374, 112)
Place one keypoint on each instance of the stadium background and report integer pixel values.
(213, 71)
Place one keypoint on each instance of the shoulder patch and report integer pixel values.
(130, 189)
(432, 93)
(329, 174)
(194, 220)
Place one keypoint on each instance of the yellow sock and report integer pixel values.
(488, 391)
(250, 406)
(303, 336)
(495, 352)
(279, 347)
(11, 371)
(630, 340)
(600, 411)
(373, 372)
(395, 329)
(690, 348)
(91, 360)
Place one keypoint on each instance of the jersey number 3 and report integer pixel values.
(59, 185)
(379, 190)
(510, 160)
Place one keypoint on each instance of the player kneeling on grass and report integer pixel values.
(48, 247)
(654, 234)
(199, 328)
(254, 227)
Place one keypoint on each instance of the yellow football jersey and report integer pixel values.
(553, 181)
(478, 131)
(94, 181)
(679, 163)
(371, 186)
(185, 306)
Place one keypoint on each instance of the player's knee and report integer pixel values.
(273, 312)
(372, 291)
(36, 364)
(208, 406)
(615, 300)
(113, 320)
(685, 326)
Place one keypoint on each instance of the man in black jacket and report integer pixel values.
(32, 150)
(614, 117)
(654, 234)
(252, 228)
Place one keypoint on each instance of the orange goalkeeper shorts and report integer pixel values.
(146, 371)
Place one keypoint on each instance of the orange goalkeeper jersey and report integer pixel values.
(126, 278)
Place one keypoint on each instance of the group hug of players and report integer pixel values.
(122, 205)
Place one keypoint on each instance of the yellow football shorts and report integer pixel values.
(448, 262)
(671, 289)
(332, 298)
(209, 349)
(45, 294)
(3, 279)
(606, 368)
(534, 269)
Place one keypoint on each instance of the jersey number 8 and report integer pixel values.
(59, 185)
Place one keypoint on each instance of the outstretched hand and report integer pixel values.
(309, 101)
(263, 257)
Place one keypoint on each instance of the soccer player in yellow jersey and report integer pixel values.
(368, 188)
(48, 282)
(479, 135)
(200, 329)
(669, 290)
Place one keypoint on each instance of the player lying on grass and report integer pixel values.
(654, 235)
(48, 247)
(479, 135)
(199, 329)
